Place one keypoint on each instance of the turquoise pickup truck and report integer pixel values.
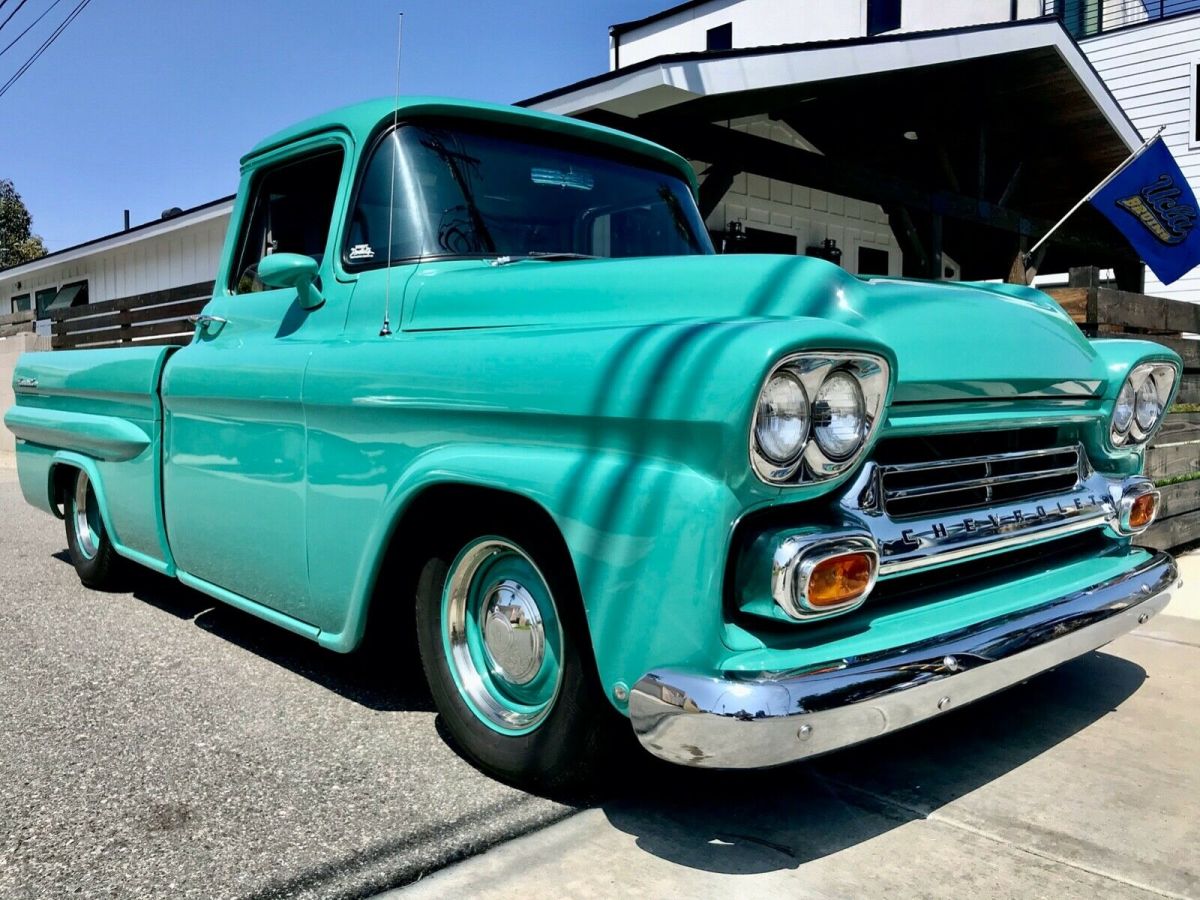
(472, 381)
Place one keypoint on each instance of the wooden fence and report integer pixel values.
(16, 323)
(149, 319)
(160, 318)
(1173, 459)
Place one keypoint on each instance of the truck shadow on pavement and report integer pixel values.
(385, 679)
(761, 821)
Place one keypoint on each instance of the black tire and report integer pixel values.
(91, 550)
(562, 752)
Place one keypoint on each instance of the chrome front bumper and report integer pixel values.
(737, 722)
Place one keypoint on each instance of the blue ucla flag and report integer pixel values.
(1152, 204)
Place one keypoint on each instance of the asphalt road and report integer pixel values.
(155, 743)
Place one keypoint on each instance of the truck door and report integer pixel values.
(235, 443)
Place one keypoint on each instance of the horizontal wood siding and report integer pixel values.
(1148, 69)
(155, 263)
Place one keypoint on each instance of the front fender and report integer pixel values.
(645, 598)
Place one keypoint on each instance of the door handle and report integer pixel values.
(204, 320)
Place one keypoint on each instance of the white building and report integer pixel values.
(146, 260)
(1146, 51)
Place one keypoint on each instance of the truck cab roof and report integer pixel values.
(361, 120)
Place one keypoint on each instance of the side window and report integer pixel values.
(290, 212)
(43, 299)
(21, 303)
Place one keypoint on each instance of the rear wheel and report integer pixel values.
(88, 542)
(505, 648)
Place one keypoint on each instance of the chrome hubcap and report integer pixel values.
(513, 635)
(502, 636)
(87, 516)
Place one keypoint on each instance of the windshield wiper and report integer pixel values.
(544, 255)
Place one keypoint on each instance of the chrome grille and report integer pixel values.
(944, 485)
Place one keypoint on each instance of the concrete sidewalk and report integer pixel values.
(1085, 782)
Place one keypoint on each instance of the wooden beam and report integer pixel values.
(1169, 533)
(773, 159)
(935, 248)
(916, 261)
(1013, 181)
(715, 186)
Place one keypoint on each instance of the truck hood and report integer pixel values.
(952, 341)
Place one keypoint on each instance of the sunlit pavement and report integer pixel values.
(157, 744)
(1084, 782)
(154, 743)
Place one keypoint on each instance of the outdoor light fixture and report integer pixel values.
(911, 136)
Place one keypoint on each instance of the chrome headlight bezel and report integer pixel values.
(1162, 376)
(872, 374)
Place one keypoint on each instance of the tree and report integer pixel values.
(17, 243)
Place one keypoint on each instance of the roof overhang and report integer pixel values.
(670, 80)
(185, 219)
(1012, 127)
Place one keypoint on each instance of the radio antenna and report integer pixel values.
(387, 278)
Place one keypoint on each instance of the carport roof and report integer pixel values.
(1011, 119)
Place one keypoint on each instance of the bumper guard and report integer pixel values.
(734, 721)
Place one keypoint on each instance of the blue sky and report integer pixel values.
(148, 104)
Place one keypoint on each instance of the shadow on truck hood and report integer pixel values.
(951, 340)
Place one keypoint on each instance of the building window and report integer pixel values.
(872, 261)
(73, 294)
(882, 15)
(47, 300)
(721, 37)
(20, 303)
(42, 300)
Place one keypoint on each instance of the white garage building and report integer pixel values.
(1145, 54)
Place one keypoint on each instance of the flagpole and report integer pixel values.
(1094, 191)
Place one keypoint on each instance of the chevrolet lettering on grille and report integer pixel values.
(998, 523)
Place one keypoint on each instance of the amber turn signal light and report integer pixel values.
(1142, 510)
(840, 579)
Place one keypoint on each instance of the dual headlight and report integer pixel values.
(815, 413)
(1141, 403)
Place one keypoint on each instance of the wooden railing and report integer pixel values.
(16, 323)
(1173, 460)
(159, 317)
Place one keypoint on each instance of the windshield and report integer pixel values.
(458, 192)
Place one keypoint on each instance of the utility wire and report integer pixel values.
(45, 45)
(13, 13)
(30, 26)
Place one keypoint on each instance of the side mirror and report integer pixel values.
(294, 270)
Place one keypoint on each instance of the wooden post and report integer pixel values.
(715, 186)
(936, 270)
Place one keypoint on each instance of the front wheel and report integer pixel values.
(88, 542)
(505, 649)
